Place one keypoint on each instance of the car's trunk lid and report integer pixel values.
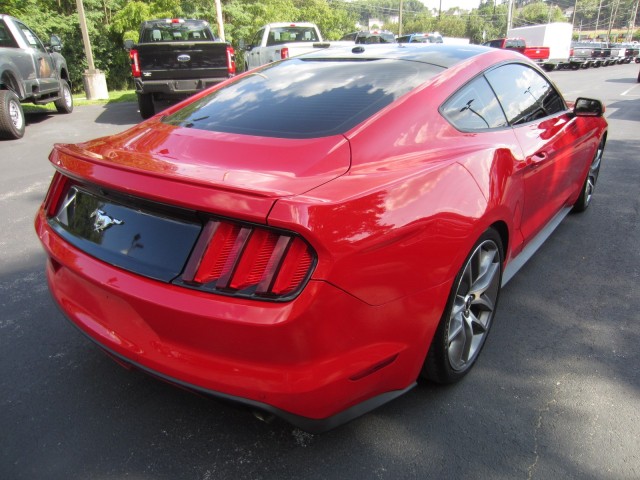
(227, 174)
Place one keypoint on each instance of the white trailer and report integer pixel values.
(556, 36)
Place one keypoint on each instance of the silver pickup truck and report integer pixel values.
(29, 73)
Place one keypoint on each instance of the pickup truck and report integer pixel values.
(175, 58)
(535, 54)
(278, 41)
(29, 73)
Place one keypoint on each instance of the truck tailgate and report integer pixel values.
(178, 60)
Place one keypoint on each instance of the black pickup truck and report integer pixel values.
(175, 58)
(30, 72)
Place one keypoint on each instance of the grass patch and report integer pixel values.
(80, 99)
(114, 97)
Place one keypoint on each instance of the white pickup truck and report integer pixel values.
(278, 41)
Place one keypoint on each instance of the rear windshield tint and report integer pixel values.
(176, 32)
(304, 98)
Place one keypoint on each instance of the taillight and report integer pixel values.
(135, 63)
(248, 260)
(284, 53)
(56, 190)
(571, 52)
(231, 61)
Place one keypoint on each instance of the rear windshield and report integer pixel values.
(176, 32)
(304, 98)
(279, 35)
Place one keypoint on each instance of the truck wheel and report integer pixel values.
(11, 115)
(65, 103)
(145, 104)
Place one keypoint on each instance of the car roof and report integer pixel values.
(441, 55)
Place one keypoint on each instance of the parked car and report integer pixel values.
(311, 237)
(581, 55)
(30, 72)
(420, 38)
(277, 41)
(375, 36)
(175, 58)
(536, 54)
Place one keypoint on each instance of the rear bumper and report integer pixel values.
(317, 361)
(180, 87)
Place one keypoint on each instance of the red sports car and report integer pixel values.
(312, 236)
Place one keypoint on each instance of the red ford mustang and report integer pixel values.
(311, 237)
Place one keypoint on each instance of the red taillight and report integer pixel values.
(284, 53)
(55, 193)
(231, 60)
(249, 260)
(571, 52)
(135, 63)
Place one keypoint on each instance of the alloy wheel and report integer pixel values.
(474, 305)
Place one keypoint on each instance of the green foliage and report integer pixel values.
(536, 13)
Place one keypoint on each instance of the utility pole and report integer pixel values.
(95, 83)
(612, 20)
(400, 20)
(219, 19)
(598, 18)
(509, 8)
(632, 22)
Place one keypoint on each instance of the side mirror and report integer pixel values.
(128, 45)
(55, 43)
(588, 107)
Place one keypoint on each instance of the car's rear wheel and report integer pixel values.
(65, 103)
(589, 185)
(11, 115)
(469, 314)
(146, 106)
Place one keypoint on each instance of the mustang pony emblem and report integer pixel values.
(103, 221)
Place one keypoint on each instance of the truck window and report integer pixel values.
(30, 37)
(176, 32)
(6, 39)
(281, 35)
(257, 38)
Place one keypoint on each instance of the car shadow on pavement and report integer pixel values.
(621, 111)
(122, 113)
(37, 116)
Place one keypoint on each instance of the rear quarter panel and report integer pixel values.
(417, 197)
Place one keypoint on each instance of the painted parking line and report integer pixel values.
(632, 92)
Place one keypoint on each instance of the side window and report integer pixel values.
(474, 107)
(6, 39)
(524, 94)
(257, 38)
(31, 37)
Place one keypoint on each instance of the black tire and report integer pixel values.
(589, 185)
(146, 106)
(12, 121)
(65, 103)
(469, 313)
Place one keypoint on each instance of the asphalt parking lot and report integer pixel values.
(555, 394)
